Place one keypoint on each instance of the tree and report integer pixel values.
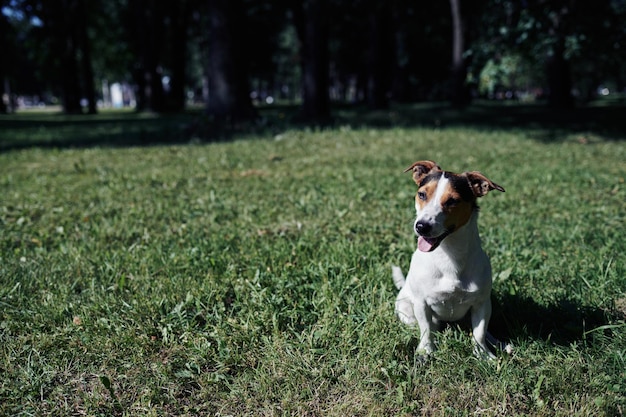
(86, 64)
(400, 84)
(577, 44)
(160, 35)
(380, 54)
(229, 95)
(424, 39)
(363, 50)
(58, 45)
(146, 31)
(59, 21)
(179, 12)
(64, 24)
(459, 92)
(10, 55)
(310, 18)
(557, 65)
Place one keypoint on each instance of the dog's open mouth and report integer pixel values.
(429, 244)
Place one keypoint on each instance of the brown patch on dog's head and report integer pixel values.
(458, 202)
(421, 169)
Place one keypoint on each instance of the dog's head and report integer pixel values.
(445, 201)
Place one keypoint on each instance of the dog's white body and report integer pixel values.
(450, 274)
(445, 284)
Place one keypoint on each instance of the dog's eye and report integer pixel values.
(421, 195)
(451, 202)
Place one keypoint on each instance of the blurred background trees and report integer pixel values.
(228, 55)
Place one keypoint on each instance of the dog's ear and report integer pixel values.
(480, 184)
(421, 168)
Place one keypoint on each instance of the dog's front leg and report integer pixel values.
(427, 325)
(480, 320)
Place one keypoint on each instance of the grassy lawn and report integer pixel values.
(252, 276)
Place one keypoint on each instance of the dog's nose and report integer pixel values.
(422, 228)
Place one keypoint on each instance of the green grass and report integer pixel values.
(252, 277)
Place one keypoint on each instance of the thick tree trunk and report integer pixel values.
(70, 84)
(459, 94)
(229, 94)
(148, 18)
(312, 27)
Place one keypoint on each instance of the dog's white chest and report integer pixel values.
(450, 300)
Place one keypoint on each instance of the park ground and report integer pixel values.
(160, 265)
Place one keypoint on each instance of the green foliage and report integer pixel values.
(419, 35)
(589, 36)
(508, 73)
(253, 276)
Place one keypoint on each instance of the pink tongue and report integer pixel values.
(424, 245)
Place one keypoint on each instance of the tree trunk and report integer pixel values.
(70, 83)
(558, 72)
(380, 56)
(559, 79)
(148, 18)
(459, 94)
(4, 71)
(69, 78)
(229, 92)
(400, 84)
(86, 64)
(312, 27)
(179, 55)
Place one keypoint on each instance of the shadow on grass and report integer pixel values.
(519, 318)
(548, 125)
(563, 323)
(118, 129)
(110, 128)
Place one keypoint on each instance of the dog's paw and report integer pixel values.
(483, 353)
(426, 347)
(422, 359)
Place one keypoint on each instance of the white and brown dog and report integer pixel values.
(450, 274)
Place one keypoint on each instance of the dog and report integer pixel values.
(450, 274)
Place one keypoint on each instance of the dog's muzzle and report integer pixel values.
(426, 243)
